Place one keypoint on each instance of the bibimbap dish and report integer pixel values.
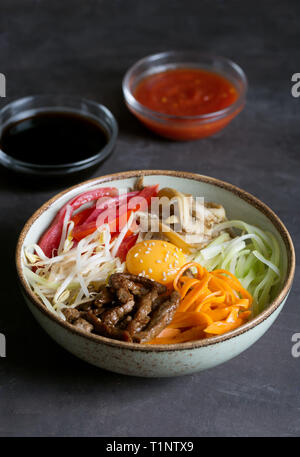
(154, 263)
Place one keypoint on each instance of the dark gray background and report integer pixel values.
(84, 47)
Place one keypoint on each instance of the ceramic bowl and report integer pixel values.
(165, 360)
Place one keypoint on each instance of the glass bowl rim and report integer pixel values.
(158, 115)
(29, 167)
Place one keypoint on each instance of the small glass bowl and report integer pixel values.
(184, 127)
(30, 106)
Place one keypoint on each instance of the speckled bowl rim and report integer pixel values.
(170, 347)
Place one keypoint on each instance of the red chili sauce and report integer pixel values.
(186, 92)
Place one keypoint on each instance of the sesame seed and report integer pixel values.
(147, 252)
(158, 261)
(150, 270)
(175, 255)
(165, 245)
(141, 260)
(135, 255)
(170, 266)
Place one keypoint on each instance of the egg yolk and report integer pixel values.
(155, 259)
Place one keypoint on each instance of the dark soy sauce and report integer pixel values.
(53, 138)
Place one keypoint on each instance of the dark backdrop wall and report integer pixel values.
(85, 48)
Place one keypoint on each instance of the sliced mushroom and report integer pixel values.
(174, 237)
(196, 219)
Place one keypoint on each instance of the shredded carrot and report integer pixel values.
(191, 319)
(194, 333)
(212, 303)
(169, 333)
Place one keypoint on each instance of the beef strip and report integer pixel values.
(85, 306)
(120, 280)
(160, 318)
(159, 300)
(113, 316)
(103, 297)
(106, 330)
(123, 323)
(131, 308)
(82, 324)
(71, 314)
(141, 317)
(126, 286)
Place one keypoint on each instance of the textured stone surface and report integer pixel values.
(85, 48)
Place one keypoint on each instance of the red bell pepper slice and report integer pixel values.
(143, 199)
(117, 213)
(102, 205)
(49, 241)
(114, 217)
(82, 216)
(91, 195)
(141, 203)
(125, 246)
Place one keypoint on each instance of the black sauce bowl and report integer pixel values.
(26, 107)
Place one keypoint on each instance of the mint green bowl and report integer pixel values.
(161, 360)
